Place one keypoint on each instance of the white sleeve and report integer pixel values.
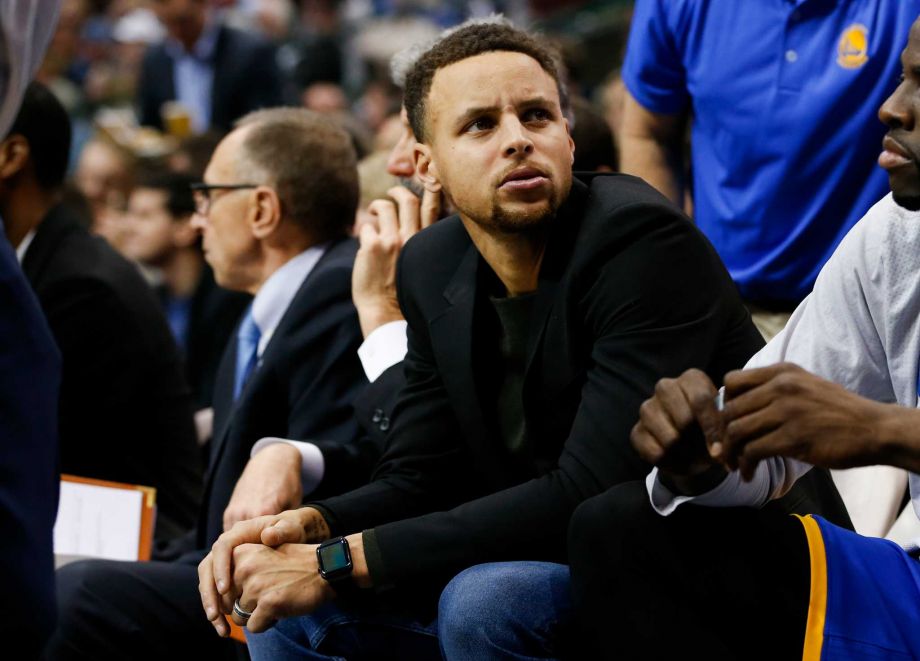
(312, 463)
(832, 333)
(25, 30)
(383, 348)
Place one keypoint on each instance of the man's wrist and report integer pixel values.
(360, 573)
(693, 484)
(372, 317)
(897, 442)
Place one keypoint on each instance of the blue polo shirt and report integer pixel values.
(784, 96)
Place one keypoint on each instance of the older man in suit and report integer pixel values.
(215, 72)
(277, 201)
(539, 318)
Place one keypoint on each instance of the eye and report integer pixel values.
(537, 115)
(478, 125)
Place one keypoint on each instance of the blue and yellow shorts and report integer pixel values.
(865, 597)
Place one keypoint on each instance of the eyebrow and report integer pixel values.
(471, 113)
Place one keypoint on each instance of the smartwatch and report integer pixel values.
(334, 559)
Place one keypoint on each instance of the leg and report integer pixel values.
(724, 583)
(132, 610)
(361, 629)
(505, 610)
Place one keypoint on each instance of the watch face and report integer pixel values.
(334, 560)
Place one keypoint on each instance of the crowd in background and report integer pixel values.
(326, 55)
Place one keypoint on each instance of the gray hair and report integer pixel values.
(310, 161)
(404, 60)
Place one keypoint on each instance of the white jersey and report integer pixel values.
(860, 327)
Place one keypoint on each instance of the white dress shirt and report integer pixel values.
(383, 348)
(860, 327)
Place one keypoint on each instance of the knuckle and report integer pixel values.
(663, 387)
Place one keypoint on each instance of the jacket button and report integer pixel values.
(384, 424)
(377, 416)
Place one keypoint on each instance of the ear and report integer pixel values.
(14, 155)
(184, 235)
(568, 132)
(264, 212)
(426, 168)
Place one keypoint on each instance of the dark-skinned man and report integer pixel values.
(539, 318)
(715, 577)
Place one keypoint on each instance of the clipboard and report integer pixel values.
(103, 519)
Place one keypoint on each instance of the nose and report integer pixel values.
(896, 112)
(400, 164)
(517, 141)
(198, 222)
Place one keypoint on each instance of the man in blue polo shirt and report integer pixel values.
(783, 96)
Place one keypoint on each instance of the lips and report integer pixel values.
(526, 178)
(893, 155)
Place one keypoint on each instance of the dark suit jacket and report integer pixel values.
(214, 313)
(125, 411)
(303, 388)
(246, 78)
(629, 292)
(30, 371)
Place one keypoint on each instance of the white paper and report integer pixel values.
(98, 522)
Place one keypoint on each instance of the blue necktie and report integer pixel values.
(247, 348)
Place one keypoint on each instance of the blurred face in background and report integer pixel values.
(151, 233)
(183, 19)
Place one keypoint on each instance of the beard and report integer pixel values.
(909, 202)
(519, 222)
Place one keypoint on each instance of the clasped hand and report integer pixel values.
(270, 565)
(781, 410)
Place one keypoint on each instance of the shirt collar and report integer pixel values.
(276, 294)
(202, 50)
(24, 245)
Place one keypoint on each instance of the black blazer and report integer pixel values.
(125, 410)
(303, 388)
(246, 78)
(629, 292)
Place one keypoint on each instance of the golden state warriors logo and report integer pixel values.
(853, 47)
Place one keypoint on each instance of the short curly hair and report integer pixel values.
(465, 43)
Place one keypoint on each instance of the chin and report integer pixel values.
(911, 202)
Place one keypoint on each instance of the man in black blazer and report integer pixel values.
(278, 198)
(216, 72)
(539, 320)
(125, 411)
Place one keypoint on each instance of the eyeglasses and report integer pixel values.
(202, 194)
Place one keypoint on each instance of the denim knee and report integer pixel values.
(503, 610)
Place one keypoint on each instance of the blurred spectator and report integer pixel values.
(784, 130)
(201, 315)
(213, 72)
(193, 153)
(125, 412)
(595, 145)
(104, 176)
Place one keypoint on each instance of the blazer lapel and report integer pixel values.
(452, 343)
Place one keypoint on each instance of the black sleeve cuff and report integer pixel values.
(375, 565)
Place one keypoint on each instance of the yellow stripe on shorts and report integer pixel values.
(817, 602)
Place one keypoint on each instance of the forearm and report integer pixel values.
(898, 442)
(657, 162)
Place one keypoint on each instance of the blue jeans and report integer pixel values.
(506, 611)
(502, 611)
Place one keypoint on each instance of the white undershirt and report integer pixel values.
(860, 327)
